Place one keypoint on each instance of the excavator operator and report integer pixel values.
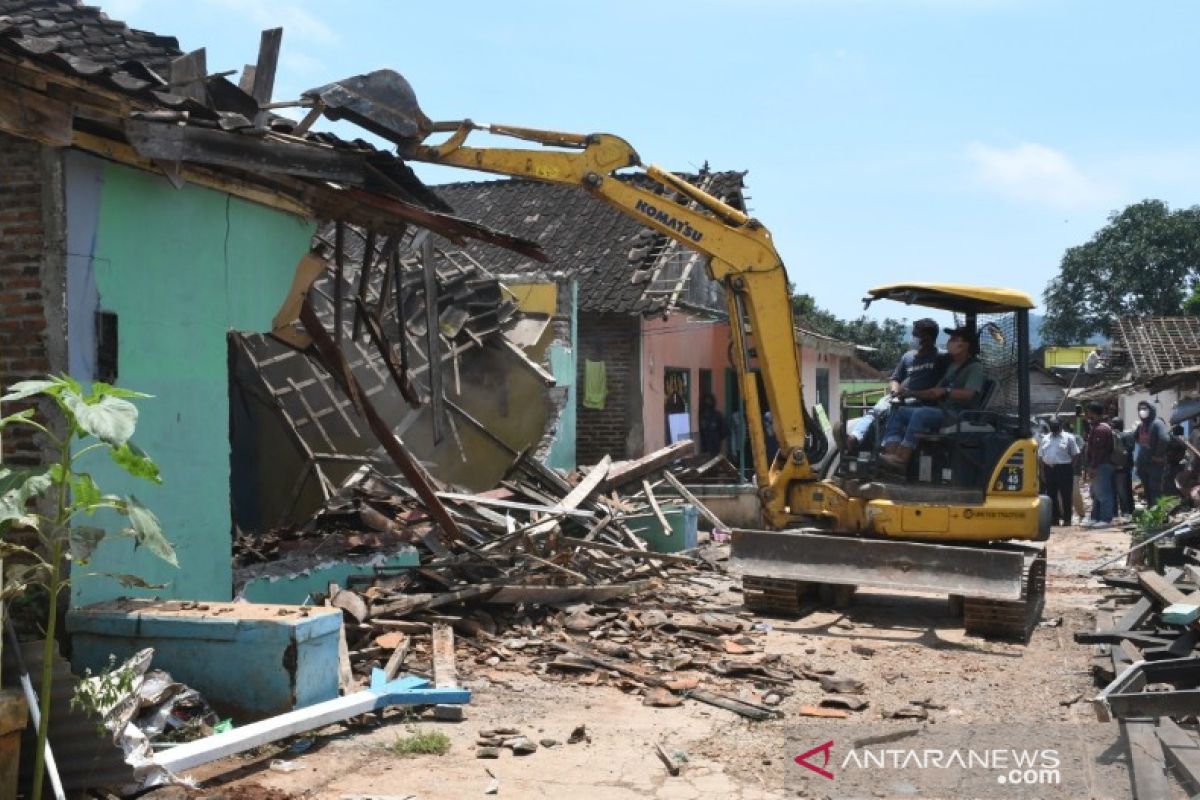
(957, 391)
(918, 369)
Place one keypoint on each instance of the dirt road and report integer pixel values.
(903, 648)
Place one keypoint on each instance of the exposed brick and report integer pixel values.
(613, 339)
(22, 314)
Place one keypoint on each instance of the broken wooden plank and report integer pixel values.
(669, 558)
(349, 602)
(432, 340)
(740, 707)
(1146, 758)
(691, 498)
(662, 520)
(419, 602)
(546, 595)
(627, 471)
(667, 759)
(577, 496)
(445, 672)
(263, 85)
(513, 504)
(395, 661)
(1162, 588)
(1182, 751)
(336, 364)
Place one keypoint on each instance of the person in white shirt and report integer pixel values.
(1058, 453)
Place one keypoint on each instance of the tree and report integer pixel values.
(887, 337)
(1144, 262)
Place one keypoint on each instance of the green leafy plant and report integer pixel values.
(421, 742)
(96, 694)
(1152, 519)
(102, 419)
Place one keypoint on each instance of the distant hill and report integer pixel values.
(1035, 333)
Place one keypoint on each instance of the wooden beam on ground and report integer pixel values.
(395, 661)
(1146, 759)
(625, 472)
(1182, 751)
(669, 558)
(445, 672)
(712, 518)
(546, 595)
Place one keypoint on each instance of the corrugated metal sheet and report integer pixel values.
(85, 760)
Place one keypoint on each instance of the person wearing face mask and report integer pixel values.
(957, 391)
(919, 368)
(1152, 437)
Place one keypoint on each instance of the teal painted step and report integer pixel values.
(248, 660)
(682, 536)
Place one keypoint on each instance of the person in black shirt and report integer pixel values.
(918, 369)
(712, 426)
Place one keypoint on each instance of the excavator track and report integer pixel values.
(1010, 619)
(773, 595)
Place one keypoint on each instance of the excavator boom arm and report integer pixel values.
(741, 257)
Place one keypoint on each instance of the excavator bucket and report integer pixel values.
(382, 101)
(993, 573)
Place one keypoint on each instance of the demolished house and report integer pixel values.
(159, 220)
(653, 330)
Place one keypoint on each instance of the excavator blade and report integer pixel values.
(993, 572)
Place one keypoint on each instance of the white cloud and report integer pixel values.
(1038, 174)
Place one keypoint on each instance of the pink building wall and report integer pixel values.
(693, 342)
(682, 341)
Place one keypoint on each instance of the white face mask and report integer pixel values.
(1144, 413)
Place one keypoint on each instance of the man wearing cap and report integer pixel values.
(918, 369)
(957, 391)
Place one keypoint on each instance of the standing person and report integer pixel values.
(1057, 454)
(712, 426)
(1100, 468)
(1152, 435)
(1123, 446)
(919, 368)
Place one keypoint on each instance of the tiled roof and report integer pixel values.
(77, 33)
(604, 249)
(1158, 345)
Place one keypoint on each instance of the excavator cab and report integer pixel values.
(962, 455)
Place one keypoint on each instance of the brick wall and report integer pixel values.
(25, 230)
(615, 430)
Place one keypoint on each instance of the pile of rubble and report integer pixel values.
(1147, 658)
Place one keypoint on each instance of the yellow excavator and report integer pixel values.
(958, 522)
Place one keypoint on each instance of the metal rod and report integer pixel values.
(1177, 529)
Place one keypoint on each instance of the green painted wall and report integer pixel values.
(181, 268)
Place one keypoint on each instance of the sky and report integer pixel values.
(885, 140)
